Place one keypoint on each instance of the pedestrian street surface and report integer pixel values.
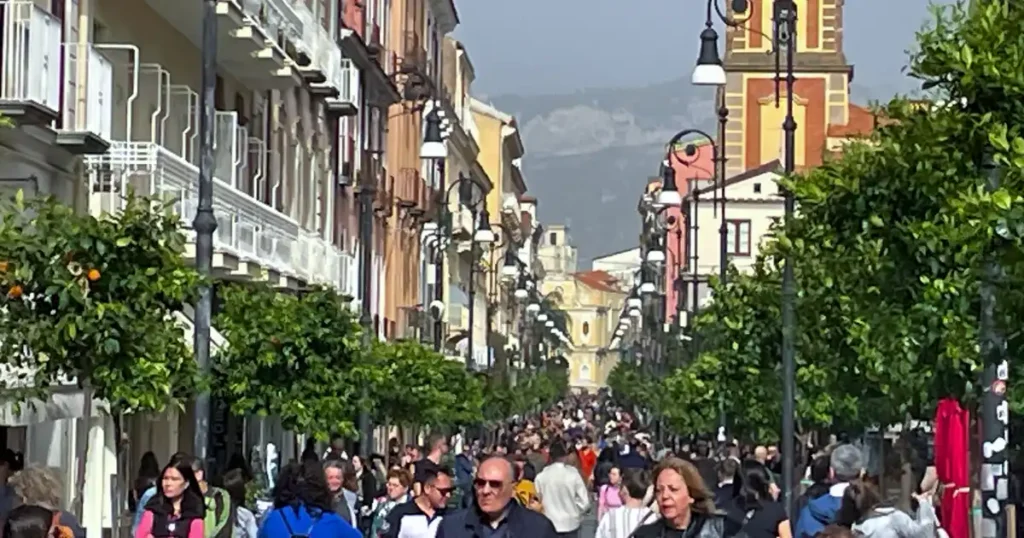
(588, 527)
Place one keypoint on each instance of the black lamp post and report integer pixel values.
(435, 150)
(708, 68)
(481, 234)
(205, 223)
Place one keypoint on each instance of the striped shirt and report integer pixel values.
(620, 522)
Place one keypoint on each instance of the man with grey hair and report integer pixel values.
(846, 464)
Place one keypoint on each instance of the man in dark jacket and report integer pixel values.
(495, 514)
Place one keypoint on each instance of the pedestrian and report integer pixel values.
(684, 503)
(621, 521)
(437, 448)
(608, 496)
(495, 513)
(178, 509)
(863, 512)
(526, 490)
(421, 517)
(755, 512)
(846, 464)
(302, 506)
(42, 486)
(234, 482)
(220, 514)
(562, 491)
(818, 472)
(367, 486)
(28, 521)
(727, 486)
(397, 492)
(338, 474)
(145, 486)
(10, 463)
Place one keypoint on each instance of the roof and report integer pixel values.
(772, 166)
(860, 125)
(599, 280)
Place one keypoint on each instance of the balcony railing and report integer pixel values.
(99, 113)
(230, 149)
(30, 40)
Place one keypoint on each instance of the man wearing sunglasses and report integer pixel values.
(495, 513)
(421, 517)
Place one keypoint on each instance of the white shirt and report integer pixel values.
(621, 521)
(565, 497)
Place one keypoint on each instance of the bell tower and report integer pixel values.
(821, 93)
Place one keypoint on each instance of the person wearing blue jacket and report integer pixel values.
(846, 464)
(302, 506)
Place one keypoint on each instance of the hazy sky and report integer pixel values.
(558, 46)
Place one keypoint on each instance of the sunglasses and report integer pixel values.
(445, 491)
(493, 484)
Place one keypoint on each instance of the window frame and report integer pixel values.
(735, 226)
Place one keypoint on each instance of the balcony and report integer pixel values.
(250, 37)
(414, 56)
(320, 262)
(155, 154)
(341, 87)
(30, 63)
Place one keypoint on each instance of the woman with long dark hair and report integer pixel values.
(303, 506)
(178, 509)
(146, 482)
(754, 510)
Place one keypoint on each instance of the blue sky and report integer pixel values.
(559, 46)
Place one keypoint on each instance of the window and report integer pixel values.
(586, 328)
(757, 188)
(553, 239)
(738, 238)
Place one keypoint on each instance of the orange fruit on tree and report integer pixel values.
(14, 292)
(93, 275)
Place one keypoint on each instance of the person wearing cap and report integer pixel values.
(846, 464)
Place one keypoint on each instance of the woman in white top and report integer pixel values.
(620, 522)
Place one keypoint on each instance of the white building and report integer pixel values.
(623, 265)
(753, 204)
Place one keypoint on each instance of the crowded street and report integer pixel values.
(530, 269)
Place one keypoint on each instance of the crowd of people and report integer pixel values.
(540, 476)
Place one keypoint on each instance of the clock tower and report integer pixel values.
(821, 106)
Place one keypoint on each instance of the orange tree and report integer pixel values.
(95, 298)
(289, 355)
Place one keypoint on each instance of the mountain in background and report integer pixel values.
(589, 153)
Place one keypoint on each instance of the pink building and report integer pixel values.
(691, 172)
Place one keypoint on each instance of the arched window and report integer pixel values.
(585, 373)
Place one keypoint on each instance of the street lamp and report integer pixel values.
(542, 316)
(669, 195)
(783, 37)
(435, 150)
(510, 268)
(484, 235)
(709, 71)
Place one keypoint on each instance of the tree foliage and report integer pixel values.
(533, 390)
(289, 355)
(95, 298)
(889, 244)
(413, 384)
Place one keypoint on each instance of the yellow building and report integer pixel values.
(591, 301)
(501, 148)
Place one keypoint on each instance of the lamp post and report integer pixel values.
(709, 67)
(481, 234)
(435, 151)
(205, 223)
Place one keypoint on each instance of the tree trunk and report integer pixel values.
(82, 450)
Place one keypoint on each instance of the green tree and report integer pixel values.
(889, 244)
(289, 355)
(411, 384)
(95, 298)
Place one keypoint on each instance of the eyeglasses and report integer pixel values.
(445, 491)
(479, 483)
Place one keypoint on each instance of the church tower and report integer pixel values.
(821, 104)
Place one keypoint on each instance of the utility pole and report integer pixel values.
(995, 412)
(204, 224)
(440, 251)
(470, 360)
(785, 36)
